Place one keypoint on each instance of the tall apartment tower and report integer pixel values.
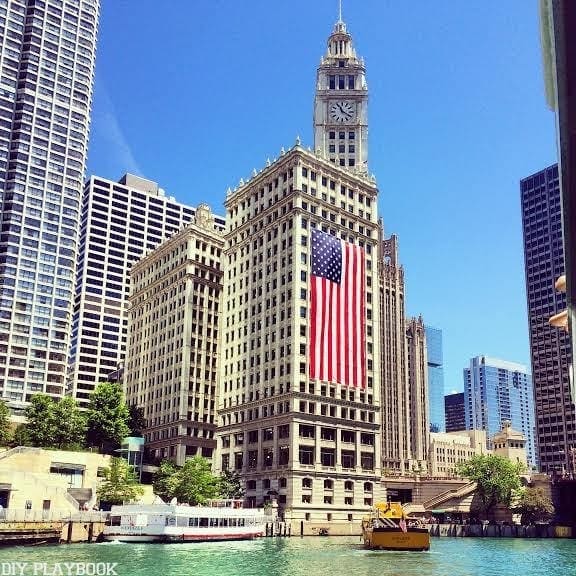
(171, 363)
(550, 348)
(498, 391)
(435, 379)
(47, 59)
(418, 392)
(121, 222)
(312, 440)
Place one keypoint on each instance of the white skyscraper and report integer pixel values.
(47, 58)
(121, 222)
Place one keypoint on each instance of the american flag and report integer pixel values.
(337, 311)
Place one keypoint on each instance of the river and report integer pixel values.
(312, 556)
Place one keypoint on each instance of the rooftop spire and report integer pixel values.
(340, 26)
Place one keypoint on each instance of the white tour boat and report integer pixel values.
(218, 520)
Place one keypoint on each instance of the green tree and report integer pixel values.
(137, 421)
(165, 480)
(120, 483)
(21, 436)
(534, 506)
(231, 485)
(41, 423)
(107, 417)
(496, 477)
(193, 483)
(5, 426)
(70, 431)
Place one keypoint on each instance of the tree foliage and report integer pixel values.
(193, 483)
(5, 426)
(534, 506)
(120, 483)
(137, 421)
(21, 436)
(41, 424)
(69, 425)
(164, 480)
(231, 485)
(108, 417)
(496, 477)
(54, 424)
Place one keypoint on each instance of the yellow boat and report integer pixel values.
(388, 528)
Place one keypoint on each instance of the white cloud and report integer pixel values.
(109, 135)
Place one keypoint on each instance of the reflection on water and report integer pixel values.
(315, 557)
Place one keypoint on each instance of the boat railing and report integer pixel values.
(229, 503)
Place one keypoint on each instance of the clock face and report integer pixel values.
(342, 111)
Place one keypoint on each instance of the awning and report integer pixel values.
(67, 466)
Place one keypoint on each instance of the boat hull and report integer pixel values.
(175, 538)
(388, 538)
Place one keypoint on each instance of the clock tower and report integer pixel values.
(341, 104)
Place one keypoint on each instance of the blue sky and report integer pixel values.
(197, 94)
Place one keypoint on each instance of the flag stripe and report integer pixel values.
(337, 347)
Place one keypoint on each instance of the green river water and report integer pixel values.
(300, 557)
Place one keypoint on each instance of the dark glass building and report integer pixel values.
(549, 346)
(435, 379)
(454, 412)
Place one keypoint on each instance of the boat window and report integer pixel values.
(232, 521)
(193, 522)
(203, 522)
(214, 522)
(241, 522)
(114, 520)
(182, 521)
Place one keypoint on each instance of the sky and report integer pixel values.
(197, 94)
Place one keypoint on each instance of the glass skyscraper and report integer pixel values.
(496, 391)
(454, 412)
(549, 347)
(435, 379)
(47, 58)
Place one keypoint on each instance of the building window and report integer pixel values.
(327, 457)
(253, 437)
(306, 455)
(283, 452)
(307, 431)
(307, 483)
(268, 457)
(348, 459)
(328, 484)
(282, 483)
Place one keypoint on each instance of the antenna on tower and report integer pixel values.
(340, 11)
